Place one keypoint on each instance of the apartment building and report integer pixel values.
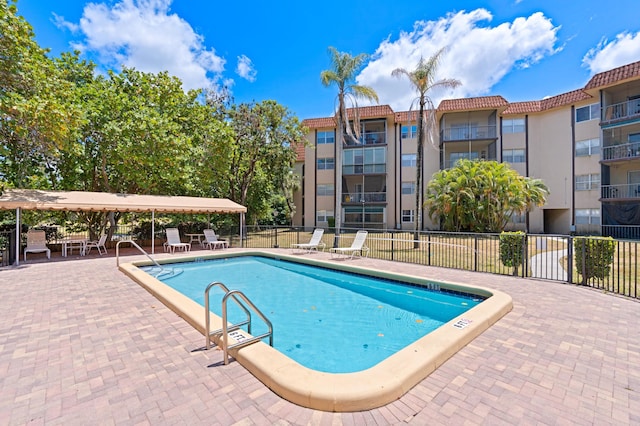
(584, 144)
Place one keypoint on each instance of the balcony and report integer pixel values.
(467, 133)
(620, 192)
(628, 110)
(364, 197)
(363, 169)
(367, 139)
(621, 151)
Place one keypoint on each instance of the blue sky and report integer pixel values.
(520, 49)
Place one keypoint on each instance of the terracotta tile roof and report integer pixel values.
(466, 104)
(565, 99)
(615, 75)
(518, 108)
(299, 147)
(319, 123)
(371, 111)
(406, 116)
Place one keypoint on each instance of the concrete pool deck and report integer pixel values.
(82, 343)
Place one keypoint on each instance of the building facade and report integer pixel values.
(584, 145)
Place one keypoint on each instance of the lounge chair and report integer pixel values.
(211, 240)
(36, 243)
(357, 246)
(99, 245)
(313, 244)
(173, 241)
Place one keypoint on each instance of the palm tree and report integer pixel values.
(423, 80)
(343, 71)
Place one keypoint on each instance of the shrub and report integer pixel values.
(512, 246)
(593, 256)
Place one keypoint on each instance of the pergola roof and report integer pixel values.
(33, 199)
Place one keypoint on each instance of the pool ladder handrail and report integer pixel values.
(235, 295)
(155, 262)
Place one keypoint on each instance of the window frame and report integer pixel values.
(324, 161)
(323, 140)
(594, 112)
(407, 216)
(591, 148)
(413, 162)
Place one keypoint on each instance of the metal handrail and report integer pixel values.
(225, 331)
(207, 320)
(139, 248)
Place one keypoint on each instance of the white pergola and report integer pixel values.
(77, 201)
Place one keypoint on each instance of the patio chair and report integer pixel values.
(313, 244)
(173, 241)
(36, 243)
(99, 245)
(357, 246)
(211, 240)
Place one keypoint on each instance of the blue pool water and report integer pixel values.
(324, 319)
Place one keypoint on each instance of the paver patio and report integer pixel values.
(80, 343)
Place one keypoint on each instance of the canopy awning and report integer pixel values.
(33, 199)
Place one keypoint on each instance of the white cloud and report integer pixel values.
(611, 54)
(478, 55)
(245, 68)
(143, 34)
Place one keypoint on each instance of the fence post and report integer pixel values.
(429, 248)
(475, 253)
(392, 246)
(525, 260)
(570, 259)
(275, 245)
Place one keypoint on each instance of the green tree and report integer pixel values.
(342, 74)
(36, 115)
(423, 80)
(261, 155)
(480, 196)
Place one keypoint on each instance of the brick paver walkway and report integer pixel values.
(80, 343)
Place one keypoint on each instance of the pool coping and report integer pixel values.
(339, 392)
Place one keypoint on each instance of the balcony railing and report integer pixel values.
(368, 138)
(468, 133)
(612, 192)
(621, 111)
(364, 197)
(361, 169)
(617, 152)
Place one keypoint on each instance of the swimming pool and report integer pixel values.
(350, 321)
(382, 383)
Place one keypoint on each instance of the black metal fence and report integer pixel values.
(549, 257)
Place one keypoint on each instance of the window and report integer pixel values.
(587, 182)
(326, 163)
(513, 125)
(518, 218)
(409, 160)
(407, 216)
(455, 156)
(513, 156)
(323, 215)
(408, 188)
(587, 147)
(364, 160)
(587, 216)
(325, 189)
(589, 112)
(325, 137)
(408, 132)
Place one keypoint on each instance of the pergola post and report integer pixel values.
(18, 226)
(153, 231)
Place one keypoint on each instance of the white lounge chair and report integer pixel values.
(99, 245)
(173, 241)
(313, 244)
(357, 246)
(36, 243)
(211, 240)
